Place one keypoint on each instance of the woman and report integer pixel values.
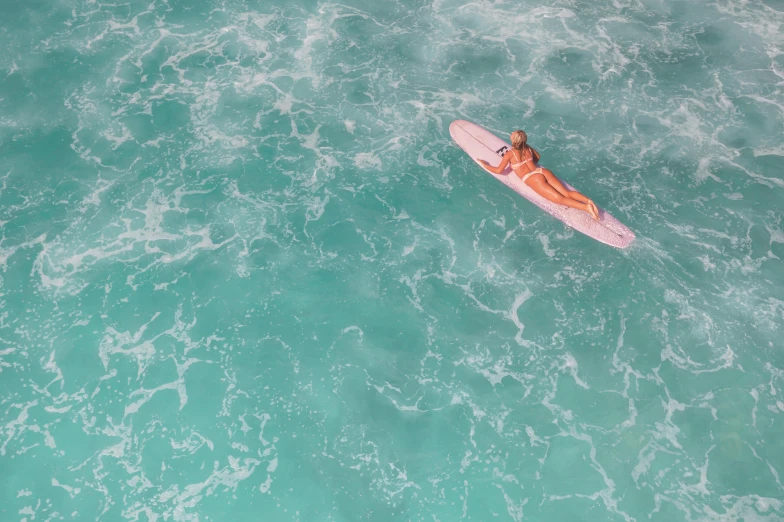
(523, 159)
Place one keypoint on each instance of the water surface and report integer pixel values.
(246, 274)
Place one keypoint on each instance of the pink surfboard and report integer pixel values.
(481, 144)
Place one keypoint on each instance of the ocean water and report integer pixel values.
(245, 274)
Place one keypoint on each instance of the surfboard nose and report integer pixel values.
(455, 125)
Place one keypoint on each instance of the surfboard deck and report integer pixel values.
(479, 143)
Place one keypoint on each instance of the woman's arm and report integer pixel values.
(536, 154)
(501, 166)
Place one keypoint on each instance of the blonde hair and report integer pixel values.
(519, 139)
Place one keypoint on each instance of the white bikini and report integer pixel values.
(536, 171)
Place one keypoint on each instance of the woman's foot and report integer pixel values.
(594, 207)
(591, 209)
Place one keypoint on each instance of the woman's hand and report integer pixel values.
(496, 170)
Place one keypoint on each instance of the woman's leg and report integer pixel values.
(547, 191)
(557, 185)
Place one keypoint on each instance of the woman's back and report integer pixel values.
(523, 161)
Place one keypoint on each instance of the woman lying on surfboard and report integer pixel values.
(523, 159)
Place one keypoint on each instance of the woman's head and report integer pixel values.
(519, 138)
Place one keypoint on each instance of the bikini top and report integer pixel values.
(523, 162)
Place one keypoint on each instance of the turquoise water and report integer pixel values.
(246, 274)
